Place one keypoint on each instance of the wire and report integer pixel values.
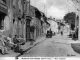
(77, 3)
(71, 4)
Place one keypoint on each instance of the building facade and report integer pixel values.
(3, 14)
(19, 18)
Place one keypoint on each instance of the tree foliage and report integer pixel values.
(70, 18)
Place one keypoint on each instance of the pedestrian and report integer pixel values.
(15, 40)
(61, 29)
(61, 32)
(32, 29)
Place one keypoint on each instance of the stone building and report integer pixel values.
(11, 21)
(35, 23)
(39, 22)
(18, 18)
(3, 14)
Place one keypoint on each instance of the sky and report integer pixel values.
(55, 8)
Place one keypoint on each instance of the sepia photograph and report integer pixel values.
(39, 28)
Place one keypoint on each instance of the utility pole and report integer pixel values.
(78, 10)
(79, 27)
(44, 10)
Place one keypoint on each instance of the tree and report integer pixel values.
(70, 18)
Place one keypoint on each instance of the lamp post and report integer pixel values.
(75, 12)
(78, 12)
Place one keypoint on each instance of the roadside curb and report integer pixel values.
(36, 43)
(76, 47)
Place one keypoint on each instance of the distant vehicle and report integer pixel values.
(49, 34)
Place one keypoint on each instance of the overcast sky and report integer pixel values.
(54, 8)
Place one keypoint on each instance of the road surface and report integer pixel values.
(57, 46)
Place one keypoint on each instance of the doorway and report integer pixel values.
(2, 16)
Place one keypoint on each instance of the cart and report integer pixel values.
(49, 34)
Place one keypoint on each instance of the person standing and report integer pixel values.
(61, 29)
(32, 29)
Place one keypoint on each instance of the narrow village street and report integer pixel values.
(57, 46)
(39, 28)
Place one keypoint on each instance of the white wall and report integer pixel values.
(53, 26)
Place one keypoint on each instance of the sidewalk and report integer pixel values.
(39, 39)
(25, 47)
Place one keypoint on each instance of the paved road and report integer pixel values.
(57, 46)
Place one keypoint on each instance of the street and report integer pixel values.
(39, 28)
(57, 46)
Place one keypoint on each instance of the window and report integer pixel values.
(4, 1)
